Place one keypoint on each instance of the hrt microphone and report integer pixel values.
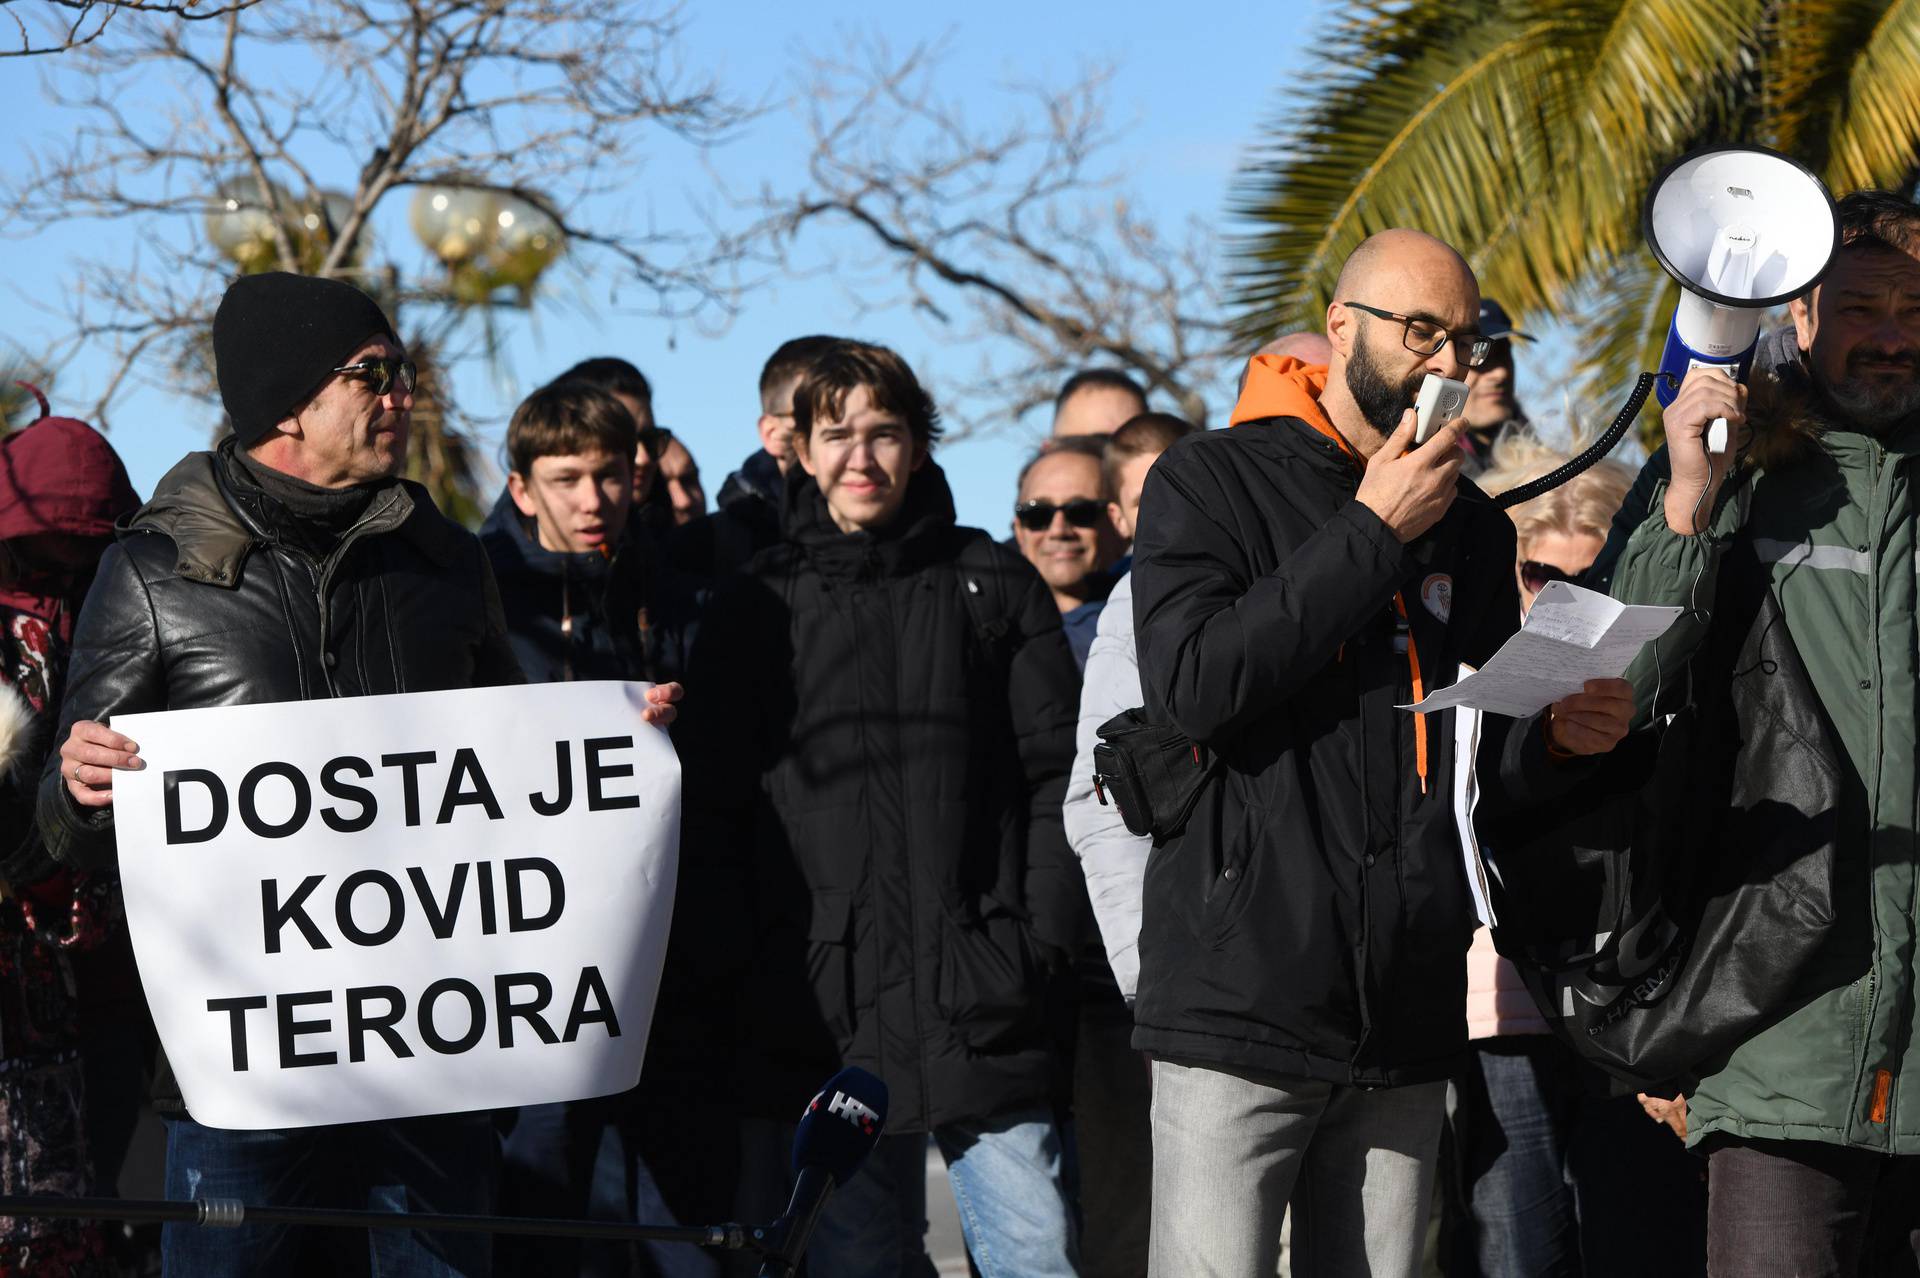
(839, 1129)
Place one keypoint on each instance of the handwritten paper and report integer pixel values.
(1571, 635)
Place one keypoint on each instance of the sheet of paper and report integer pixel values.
(1466, 798)
(1572, 635)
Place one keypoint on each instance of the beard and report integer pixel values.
(1870, 404)
(1380, 400)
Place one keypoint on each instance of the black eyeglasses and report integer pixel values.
(1081, 512)
(1424, 337)
(381, 374)
(1536, 575)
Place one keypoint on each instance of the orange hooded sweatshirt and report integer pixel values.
(1282, 386)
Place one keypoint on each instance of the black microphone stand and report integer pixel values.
(231, 1213)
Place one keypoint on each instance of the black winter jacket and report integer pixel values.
(585, 616)
(886, 761)
(1313, 917)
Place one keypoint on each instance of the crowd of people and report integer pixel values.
(1284, 1011)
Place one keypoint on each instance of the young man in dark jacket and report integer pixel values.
(883, 730)
(582, 591)
(1302, 951)
(585, 598)
(288, 564)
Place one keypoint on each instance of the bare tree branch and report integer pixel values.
(551, 100)
(62, 33)
(1021, 229)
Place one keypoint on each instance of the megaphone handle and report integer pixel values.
(1717, 435)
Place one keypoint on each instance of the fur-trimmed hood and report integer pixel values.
(18, 748)
(1785, 418)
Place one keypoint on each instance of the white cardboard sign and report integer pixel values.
(376, 907)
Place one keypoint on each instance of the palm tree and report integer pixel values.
(1526, 134)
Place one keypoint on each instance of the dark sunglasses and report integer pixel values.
(381, 374)
(1536, 575)
(1081, 512)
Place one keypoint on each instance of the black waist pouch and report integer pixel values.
(1154, 773)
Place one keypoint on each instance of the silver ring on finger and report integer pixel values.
(76, 773)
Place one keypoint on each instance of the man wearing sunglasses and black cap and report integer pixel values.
(1491, 402)
(288, 563)
(1061, 525)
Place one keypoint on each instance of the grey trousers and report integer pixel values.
(1230, 1150)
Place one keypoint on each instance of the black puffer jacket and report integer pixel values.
(888, 760)
(204, 601)
(1313, 917)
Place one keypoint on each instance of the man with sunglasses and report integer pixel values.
(1061, 526)
(288, 563)
(1303, 938)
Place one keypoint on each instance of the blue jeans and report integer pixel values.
(1006, 1182)
(440, 1164)
(1553, 1179)
(1512, 1116)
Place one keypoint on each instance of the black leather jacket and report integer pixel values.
(205, 601)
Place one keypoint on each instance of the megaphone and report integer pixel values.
(1742, 229)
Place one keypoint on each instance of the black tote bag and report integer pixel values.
(1686, 900)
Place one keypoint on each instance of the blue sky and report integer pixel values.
(1190, 88)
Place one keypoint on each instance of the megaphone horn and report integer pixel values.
(1742, 229)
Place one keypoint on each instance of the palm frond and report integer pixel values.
(1806, 51)
(1874, 140)
(1649, 76)
(1623, 332)
(1427, 115)
(1526, 139)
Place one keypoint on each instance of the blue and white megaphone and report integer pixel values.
(1742, 229)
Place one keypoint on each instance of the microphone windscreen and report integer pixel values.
(842, 1125)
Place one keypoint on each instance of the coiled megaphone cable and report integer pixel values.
(1600, 447)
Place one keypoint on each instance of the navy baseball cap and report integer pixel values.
(1495, 323)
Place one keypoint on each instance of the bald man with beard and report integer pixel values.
(1303, 940)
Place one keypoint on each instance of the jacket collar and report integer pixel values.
(1789, 417)
(914, 538)
(515, 549)
(758, 479)
(214, 527)
(1282, 386)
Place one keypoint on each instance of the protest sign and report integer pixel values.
(376, 907)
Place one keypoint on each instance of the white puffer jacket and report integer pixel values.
(1114, 860)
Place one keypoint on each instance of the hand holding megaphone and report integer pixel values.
(1707, 396)
(1411, 486)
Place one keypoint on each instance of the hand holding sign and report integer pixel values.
(383, 906)
(90, 756)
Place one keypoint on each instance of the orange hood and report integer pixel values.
(1282, 386)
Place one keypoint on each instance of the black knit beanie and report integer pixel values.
(277, 337)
